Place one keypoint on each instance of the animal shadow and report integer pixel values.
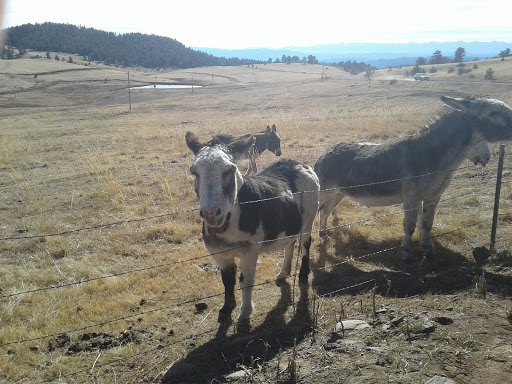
(226, 353)
(344, 264)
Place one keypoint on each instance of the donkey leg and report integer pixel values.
(304, 266)
(247, 274)
(253, 168)
(286, 268)
(328, 200)
(228, 274)
(410, 217)
(427, 220)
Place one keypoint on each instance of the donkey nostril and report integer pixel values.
(219, 212)
(201, 213)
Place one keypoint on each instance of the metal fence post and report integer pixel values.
(497, 198)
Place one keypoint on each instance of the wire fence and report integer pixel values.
(145, 269)
(181, 303)
(187, 211)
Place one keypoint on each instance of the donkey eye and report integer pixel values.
(228, 173)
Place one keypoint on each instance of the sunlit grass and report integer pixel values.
(79, 167)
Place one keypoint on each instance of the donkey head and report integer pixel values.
(492, 118)
(479, 154)
(273, 140)
(218, 179)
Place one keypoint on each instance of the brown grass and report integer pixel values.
(72, 156)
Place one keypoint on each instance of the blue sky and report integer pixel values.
(279, 23)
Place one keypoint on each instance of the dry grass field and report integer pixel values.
(104, 276)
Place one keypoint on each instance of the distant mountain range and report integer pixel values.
(378, 55)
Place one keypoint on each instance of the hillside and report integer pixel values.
(132, 49)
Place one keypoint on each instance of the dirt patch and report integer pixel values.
(93, 341)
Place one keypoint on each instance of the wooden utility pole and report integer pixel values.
(129, 93)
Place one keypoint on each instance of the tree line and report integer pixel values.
(130, 49)
(458, 57)
(354, 68)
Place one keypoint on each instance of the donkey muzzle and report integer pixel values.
(213, 216)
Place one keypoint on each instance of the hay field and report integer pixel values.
(100, 240)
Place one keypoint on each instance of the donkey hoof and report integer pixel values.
(244, 319)
(429, 253)
(224, 317)
(407, 258)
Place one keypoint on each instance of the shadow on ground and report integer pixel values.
(448, 273)
(225, 353)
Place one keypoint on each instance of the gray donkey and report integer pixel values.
(414, 171)
(267, 139)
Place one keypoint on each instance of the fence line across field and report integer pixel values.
(144, 269)
(187, 211)
(209, 297)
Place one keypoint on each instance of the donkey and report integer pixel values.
(479, 154)
(243, 216)
(268, 139)
(389, 173)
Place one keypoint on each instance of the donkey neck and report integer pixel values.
(261, 141)
(445, 142)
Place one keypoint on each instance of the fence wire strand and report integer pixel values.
(145, 269)
(209, 297)
(163, 215)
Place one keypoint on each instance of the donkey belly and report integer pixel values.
(377, 201)
(378, 195)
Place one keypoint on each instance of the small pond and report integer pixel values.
(167, 86)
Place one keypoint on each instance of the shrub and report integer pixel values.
(433, 69)
(475, 66)
(450, 70)
(462, 70)
(489, 74)
(393, 81)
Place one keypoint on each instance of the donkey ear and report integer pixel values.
(268, 130)
(455, 102)
(274, 129)
(242, 145)
(193, 143)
